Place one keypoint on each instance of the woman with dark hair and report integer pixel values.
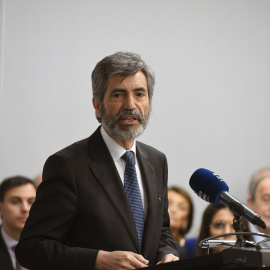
(181, 216)
(218, 219)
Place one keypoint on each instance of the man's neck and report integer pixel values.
(127, 144)
(14, 234)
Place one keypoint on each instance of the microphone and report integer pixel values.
(210, 187)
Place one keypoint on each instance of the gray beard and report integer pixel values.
(124, 132)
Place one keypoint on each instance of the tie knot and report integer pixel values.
(128, 157)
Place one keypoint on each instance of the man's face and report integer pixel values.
(125, 108)
(261, 204)
(15, 207)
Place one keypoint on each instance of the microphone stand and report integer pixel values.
(241, 252)
(240, 242)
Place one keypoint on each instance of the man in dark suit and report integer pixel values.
(16, 197)
(84, 216)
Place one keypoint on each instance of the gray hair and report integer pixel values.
(255, 177)
(254, 185)
(123, 63)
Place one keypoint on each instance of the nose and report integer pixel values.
(25, 207)
(228, 229)
(129, 102)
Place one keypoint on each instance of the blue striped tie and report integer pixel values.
(133, 193)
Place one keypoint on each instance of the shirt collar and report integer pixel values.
(257, 238)
(10, 242)
(116, 150)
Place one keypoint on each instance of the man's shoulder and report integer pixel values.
(76, 155)
(78, 147)
(2, 243)
(149, 149)
(75, 146)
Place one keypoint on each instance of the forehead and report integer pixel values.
(264, 186)
(131, 82)
(223, 214)
(23, 191)
(176, 196)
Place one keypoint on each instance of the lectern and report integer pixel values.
(232, 258)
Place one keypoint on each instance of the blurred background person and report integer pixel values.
(181, 216)
(259, 202)
(255, 177)
(218, 219)
(17, 195)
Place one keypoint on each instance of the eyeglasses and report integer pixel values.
(220, 225)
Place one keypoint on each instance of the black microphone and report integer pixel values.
(212, 188)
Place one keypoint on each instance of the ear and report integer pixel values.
(97, 106)
(250, 202)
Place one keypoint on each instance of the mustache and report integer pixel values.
(129, 112)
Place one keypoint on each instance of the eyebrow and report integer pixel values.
(20, 198)
(116, 90)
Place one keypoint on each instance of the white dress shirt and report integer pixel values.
(258, 238)
(117, 151)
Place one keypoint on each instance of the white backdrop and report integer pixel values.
(211, 101)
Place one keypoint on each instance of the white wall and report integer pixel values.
(211, 102)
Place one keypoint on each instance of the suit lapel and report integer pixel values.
(149, 180)
(5, 260)
(103, 167)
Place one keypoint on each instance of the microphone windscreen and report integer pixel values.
(207, 185)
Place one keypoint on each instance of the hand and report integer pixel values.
(168, 258)
(119, 260)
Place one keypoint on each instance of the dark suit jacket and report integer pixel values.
(81, 208)
(5, 260)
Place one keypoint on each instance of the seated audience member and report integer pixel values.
(181, 215)
(259, 202)
(17, 194)
(218, 219)
(255, 177)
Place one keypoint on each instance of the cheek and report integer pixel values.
(143, 107)
(182, 218)
(211, 233)
(13, 210)
(146, 109)
(113, 110)
(6, 209)
(178, 214)
(183, 215)
(265, 210)
(8, 213)
(261, 208)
